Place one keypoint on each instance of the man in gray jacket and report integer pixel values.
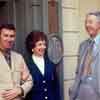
(87, 81)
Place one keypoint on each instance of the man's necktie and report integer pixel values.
(88, 59)
(7, 56)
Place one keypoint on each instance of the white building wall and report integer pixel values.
(70, 41)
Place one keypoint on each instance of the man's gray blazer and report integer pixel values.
(96, 64)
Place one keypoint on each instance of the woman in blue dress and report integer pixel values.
(43, 71)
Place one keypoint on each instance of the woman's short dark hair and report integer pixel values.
(32, 38)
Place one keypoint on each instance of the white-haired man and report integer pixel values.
(87, 82)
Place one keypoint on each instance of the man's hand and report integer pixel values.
(11, 93)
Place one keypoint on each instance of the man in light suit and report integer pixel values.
(15, 79)
(87, 86)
